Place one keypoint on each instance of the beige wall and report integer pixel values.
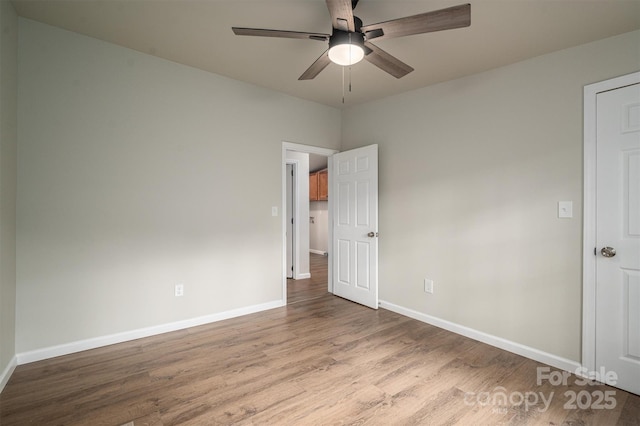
(8, 140)
(470, 175)
(135, 174)
(319, 229)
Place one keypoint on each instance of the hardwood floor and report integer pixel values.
(316, 286)
(321, 360)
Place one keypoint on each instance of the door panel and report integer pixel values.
(344, 262)
(355, 266)
(343, 203)
(363, 254)
(632, 288)
(363, 218)
(618, 226)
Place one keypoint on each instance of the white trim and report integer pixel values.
(320, 252)
(283, 209)
(498, 342)
(330, 226)
(297, 245)
(8, 371)
(290, 146)
(296, 214)
(309, 149)
(589, 216)
(97, 342)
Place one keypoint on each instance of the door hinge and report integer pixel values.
(595, 251)
(292, 221)
(291, 172)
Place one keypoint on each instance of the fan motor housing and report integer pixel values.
(344, 37)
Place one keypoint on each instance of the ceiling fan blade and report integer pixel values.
(386, 62)
(341, 12)
(315, 68)
(437, 20)
(260, 32)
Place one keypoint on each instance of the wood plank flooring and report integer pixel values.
(321, 360)
(313, 287)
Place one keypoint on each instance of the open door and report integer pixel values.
(355, 225)
(618, 237)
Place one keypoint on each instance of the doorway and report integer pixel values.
(318, 227)
(311, 260)
(318, 207)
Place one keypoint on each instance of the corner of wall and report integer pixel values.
(8, 162)
(7, 372)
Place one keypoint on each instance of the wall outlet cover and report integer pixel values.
(179, 290)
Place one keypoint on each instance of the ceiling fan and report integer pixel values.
(350, 41)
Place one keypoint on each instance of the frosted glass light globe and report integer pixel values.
(346, 54)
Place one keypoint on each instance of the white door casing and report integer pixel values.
(290, 198)
(286, 148)
(354, 191)
(618, 227)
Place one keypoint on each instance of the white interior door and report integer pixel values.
(618, 228)
(290, 234)
(355, 225)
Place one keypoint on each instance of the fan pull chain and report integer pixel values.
(342, 84)
(349, 78)
(350, 60)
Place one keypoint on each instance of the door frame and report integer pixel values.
(295, 212)
(308, 149)
(589, 216)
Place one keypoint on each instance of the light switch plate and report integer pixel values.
(428, 286)
(565, 209)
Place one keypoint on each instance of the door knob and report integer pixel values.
(372, 234)
(608, 251)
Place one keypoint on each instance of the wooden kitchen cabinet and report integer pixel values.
(323, 185)
(319, 186)
(313, 186)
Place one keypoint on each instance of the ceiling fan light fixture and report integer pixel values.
(346, 48)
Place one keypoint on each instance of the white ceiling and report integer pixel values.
(198, 33)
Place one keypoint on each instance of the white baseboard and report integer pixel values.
(498, 342)
(314, 251)
(69, 348)
(97, 342)
(8, 371)
(303, 276)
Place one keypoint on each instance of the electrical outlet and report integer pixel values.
(179, 290)
(428, 286)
